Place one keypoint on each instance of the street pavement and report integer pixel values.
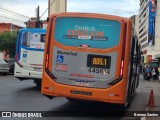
(23, 96)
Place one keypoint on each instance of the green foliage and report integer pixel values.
(8, 42)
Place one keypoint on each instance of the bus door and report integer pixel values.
(85, 51)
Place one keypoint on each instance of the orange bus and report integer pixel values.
(91, 57)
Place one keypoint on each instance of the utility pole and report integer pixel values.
(37, 18)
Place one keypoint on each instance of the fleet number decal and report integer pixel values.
(99, 70)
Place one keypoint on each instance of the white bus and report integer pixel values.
(29, 54)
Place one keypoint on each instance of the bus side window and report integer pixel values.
(43, 37)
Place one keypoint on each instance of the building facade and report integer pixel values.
(8, 27)
(149, 22)
(135, 20)
(32, 23)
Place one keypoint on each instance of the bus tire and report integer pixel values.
(137, 79)
(123, 107)
(127, 105)
(137, 83)
(38, 83)
(5, 73)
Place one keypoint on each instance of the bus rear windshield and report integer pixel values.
(34, 40)
(96, 33)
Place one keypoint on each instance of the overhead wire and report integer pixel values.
(11, 18)
(18, 8)
(11, 2)
(8, 19)
(15, 1)
(14, 13)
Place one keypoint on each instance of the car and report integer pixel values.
(11, 65)
(4, 67)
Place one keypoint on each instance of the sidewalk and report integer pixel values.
(147, 87)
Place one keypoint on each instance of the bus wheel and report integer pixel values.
(38, 83)
(127, 105)
(123, 107)
(137, 83)
(5, 73)
(137, 80)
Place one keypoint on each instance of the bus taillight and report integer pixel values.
(16, 56)
(122, 65)
(121, 75)
(17, 60)
(123, 50)
(47, 58)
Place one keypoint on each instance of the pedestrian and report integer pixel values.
(148, 73)
(154, 75)
(157, 72)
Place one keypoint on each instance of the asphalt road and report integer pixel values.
(23, 96)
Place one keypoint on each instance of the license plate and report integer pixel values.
(2, 70)
(81, 92)
(98, 61)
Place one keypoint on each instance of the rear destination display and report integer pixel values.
(98, 61)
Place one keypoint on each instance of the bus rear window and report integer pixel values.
(96, 33)
(33, 40)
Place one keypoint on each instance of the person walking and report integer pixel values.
(157, 72)
(154, 75)
(148, 73)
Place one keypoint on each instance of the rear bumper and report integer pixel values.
(52, 89)
(26, 74)
(4, 70)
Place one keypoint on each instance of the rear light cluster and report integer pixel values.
(46, 67)
(122, 58)
(17, 60)
(47, 56)
(47, 61)
(122, 65)
(123, 51)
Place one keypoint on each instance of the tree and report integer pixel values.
(8, 42)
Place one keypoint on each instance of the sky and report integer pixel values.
(27, 8)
